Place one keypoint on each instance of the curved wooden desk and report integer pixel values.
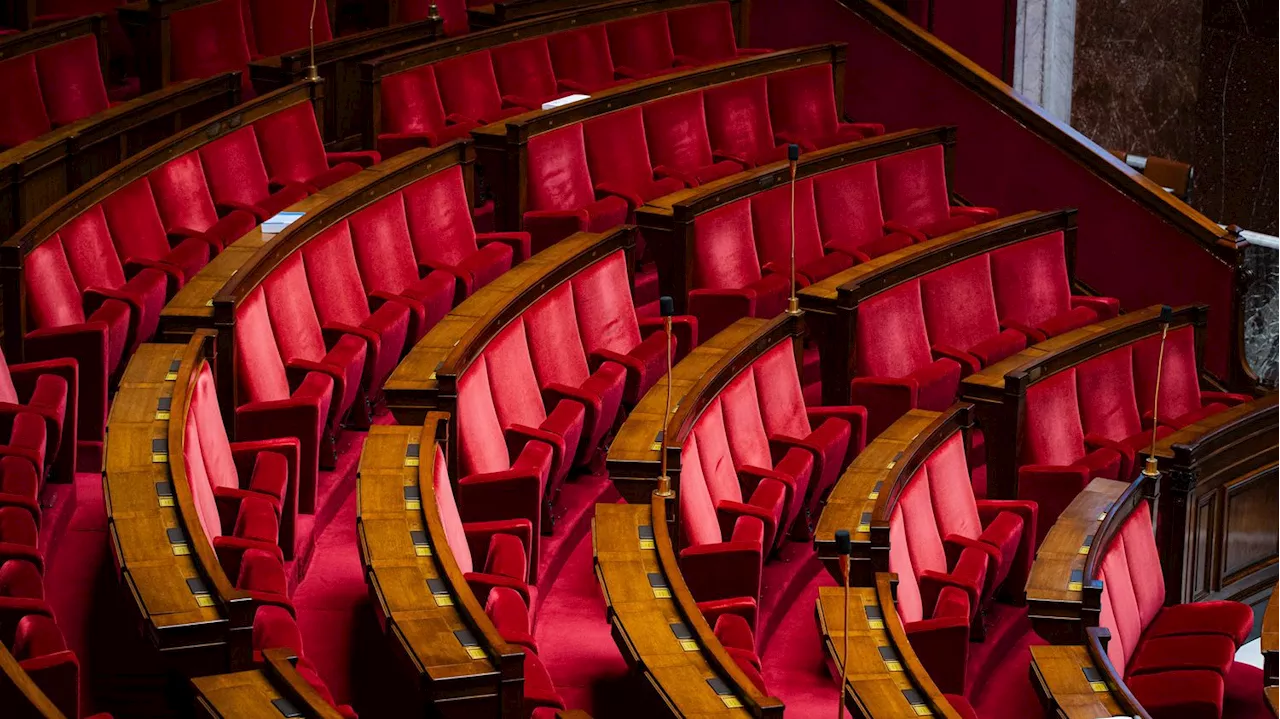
(1070, 686)
(656, 621)
(883, 678)
(269, 692)
(423, 602)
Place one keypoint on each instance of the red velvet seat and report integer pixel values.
(208, 39)
(525, 76)
(238, 177)
(21, 593)
(1054, 462)
(469, 89)
(1109, 408)
(26, 117)
(187, 208)
(771, 224)
(42, 653)
(618, 158)
(272, 403)
(742, 490)
(48, 390)
(739, 125)
(802, 107)
(141, 240)
(539, 690)
(703, 33)
(727, 273)
(894, 369)
(1182, 402)
(960, 315)
(280, 26)
(1033, 290)
(581, 59)
(20, 537)
(294, 153)
(916, 199)
(641, 46)
(276, 628)
(561, 196)
(679, 143)
(847, 203)
(445, 239)
(20, 484)
(413, 114)
(71, 82)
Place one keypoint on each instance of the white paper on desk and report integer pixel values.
(562, 101)
(276, 224)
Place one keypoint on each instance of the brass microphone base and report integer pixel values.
(664, 487)
(793, 306)
(312, 73)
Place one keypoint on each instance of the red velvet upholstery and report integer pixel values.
(208, 39)
(739, 125)
(771, 224)
(26, 117)
(525, 76)
(294, 153)
(1033, 291)
(413, 114)
(469, 88)
(48, 390)
(847, 202)
(727, 274)
(679, 143)
(641, 46)
(42, 653)
(21, 594)
(702, 34)
(1181, 401)
(581, 59)
(187, 208)
(894, 370)
(141, 239)
(803, 108)
(71, 80)
(618, 158)
(280, 26)
(1109, 408)
(238, 177)
(561, 196)
(960, 315)
(913, 188)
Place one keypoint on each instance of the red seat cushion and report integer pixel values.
(1179, 694)
(1230, 619)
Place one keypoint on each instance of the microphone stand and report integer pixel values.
(312, 73)
(843, 548)
(793, 156)
(664, 480)
(1151, 470)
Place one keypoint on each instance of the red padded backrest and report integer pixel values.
(334, 278)
(198, 475)
(847, 201)
(717, 459)
(182, 194)
(516, 394)
(480, 442)
(910, 606)
(281, 26)
(20, 578)
(8, 393)
(890, 335)
(293, 316)
(1053, 434)
(676, 129)
(1144, 563)
(233, 165)
(37, 635)
(260, 369)
(703, 31)
(558, 176)
(602, 300)
(134, 221)
(215, 446)
(582, 55)
(803, 102)
(1107, 618)
(58, 303)
(738, 117)
(24, 117)
(454, 534)
(641, 43)
(1108, 406)
(71, 80)
(913, 186)
(291, 146)
(924, 541)
(1030, 279)
(1179, 382)
(959, 304)
(617, 152)
(453, 14)
(954, 505)
(555, 344)
(468, 86)
(740, 410)
(781, 397)
(411, 102)
(439, 216)
(208, 39)
(698, 521)
(90, 251)
(1124, 604)
(724, 248)
(771, 223)
(383, 247)
(524, 68)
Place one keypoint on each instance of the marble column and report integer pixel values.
(1262, 310)
(1044, 54)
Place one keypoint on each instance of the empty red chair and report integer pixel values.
(703, 33)
(743, 490)
(611, 332)
(49, 391)
(187, 209)
(1109, 413)
(294, 153)
(734, 633)
(641, 46)
(275, 628)
(238, 178)
(20, 537)
(581, 59)
(539, 690)
(142, 241)
(739, 125)
(208, 39)
(561, 196)
(847, 202)
(438, 213)
(1055, 463)
(894, 369)
(525, 76)
(960, 315)
(1182, 402)
(453, 14)
(469, 89)
(42, 653)
(303, 345)
(343, 306)
(913, 190)
(25, 118)
(1033, 290)
(21, 593)
(71, 80)
(679, 143)
(280, 26)
(279, 401)
(20, 486)
(413, 114)
(727, 274)
(802, 107)
(771, 224)
(618, 158)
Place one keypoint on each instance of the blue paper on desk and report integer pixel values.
(276, 224)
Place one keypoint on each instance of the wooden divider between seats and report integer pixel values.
(266, 691)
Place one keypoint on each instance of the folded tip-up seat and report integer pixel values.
(679, 143)
(1181, 401)
(238, 177)
(561, 196)
(294, 153)
(960, 315)
(208, 39)
(469, 89)
(771, 215)
(917, 201)
(187, 209)
(641, 46)
(42, 653)
(739, 125)
(25, 118)
(703, 33)
(49, 391)
(581, 59)
(894, 369)
(618, 158)
(847, 202)
(413, 113)
(802, 107)
(71, 81)
(727, 276)
(1033, 290)
(526, 78)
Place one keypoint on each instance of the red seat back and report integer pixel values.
(293, 316)
(558, 176)
(582, 55)
(605, 311)
(771, 225)
(468, 86)
(1052, 433)
(699, 524)
(524, 68)
(910, 605)
(292, 149)
(198, 476)
(439, 217)
(454, 533)
(25, 117)
(411, 102)
(676, 131)
(215, 445)
(724, 248)
(738, 117)
(182, 194)
(516, 394)
(782, 403)
(847, 202)
(744, 425)
(890, 337)
(955, 507)
(58, 303)
(90, 252)
(703, 32)
(1132, 585)
(334, 277)
(717, 459)
(280, 26)
(208, 39)
(42, 652)
(480, 441)
(617, 152)
(383, 247)
(1108, 404)
(1030, 279)
(71, 80)
(1179, 381)
(959, 304)
(802, 102)
(913, 186)
(555, 343)
(642, 43)
(260, 369)
(135, 223)
(233, 165)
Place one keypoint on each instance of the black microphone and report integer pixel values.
(844, 545)
(1166, 315)
(667, 306)
(793, 152)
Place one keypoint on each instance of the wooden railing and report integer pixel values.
(273, 689)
